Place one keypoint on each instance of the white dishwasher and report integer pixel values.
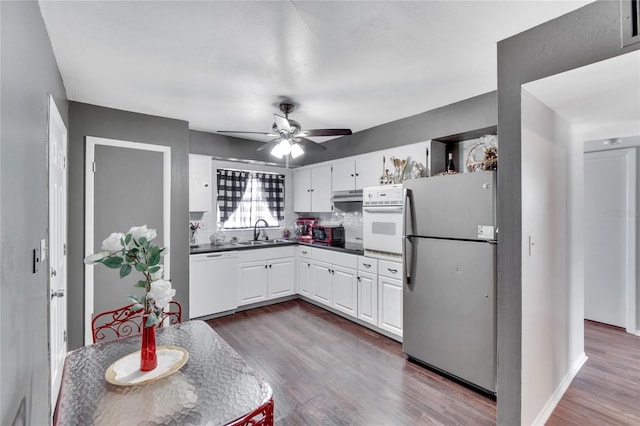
(212, 283)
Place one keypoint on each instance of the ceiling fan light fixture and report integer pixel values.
(296, 150)
(285, 146)
(277, 151)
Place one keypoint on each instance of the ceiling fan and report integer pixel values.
(289, 137)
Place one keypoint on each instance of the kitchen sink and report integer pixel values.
(251, 243)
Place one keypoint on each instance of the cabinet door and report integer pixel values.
(199, 183)
(321, 282)
(368, 297)
(321, 189)
(368, 170)
(302, 190)
(281, 281)
(344, 290)
(390, 305)
(343, 176)
(252, 282)
(304, 277)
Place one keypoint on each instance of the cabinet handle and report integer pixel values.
(270, 266)
(359, 279)
(266, 266)
(305, 252)
(211, 256)
(393, 271)
(351, 174)
(366, 265)
(333, 272)
(206, 185)
(308, 265)
(329, 270)
(357, 174)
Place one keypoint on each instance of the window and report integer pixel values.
(246, 196)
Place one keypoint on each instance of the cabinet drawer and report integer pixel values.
(304, 252)
(336, 258)
(367, 264)
(390, 269)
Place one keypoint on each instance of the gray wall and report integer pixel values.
(588, 35)
(467, 115)
(29, 73)
(91, 120)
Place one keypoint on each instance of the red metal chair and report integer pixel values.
(125, 321)
(261, 416)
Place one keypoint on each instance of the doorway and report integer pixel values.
(127, 184)
(610, 237)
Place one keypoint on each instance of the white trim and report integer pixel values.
(555, 398)
(631, 239)
(91, 143)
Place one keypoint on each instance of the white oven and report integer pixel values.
(382, 219)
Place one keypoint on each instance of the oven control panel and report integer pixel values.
(383, 195)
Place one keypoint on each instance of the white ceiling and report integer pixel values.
(226, 65)
(601, 100)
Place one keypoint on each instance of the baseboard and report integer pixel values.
(637, 333)
(553, 401)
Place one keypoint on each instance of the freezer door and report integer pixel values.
(453, 206)
(449, 312)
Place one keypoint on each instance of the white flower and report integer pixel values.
(112, 243)
(96, 257)
(138, 232)
(161, 292)
(158, 274)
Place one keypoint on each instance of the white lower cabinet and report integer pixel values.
(252, 282)
(344, 289)
(390, 297)
(368, 297)
(265, 274)
(321, 282)
(304, 277)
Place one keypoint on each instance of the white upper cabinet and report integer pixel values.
(344, 175)
(360, 171)
(312, 189)
(199, 183)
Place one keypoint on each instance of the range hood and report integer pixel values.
(348, 196)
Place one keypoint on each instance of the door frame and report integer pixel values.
(91, 143)
(630, 251)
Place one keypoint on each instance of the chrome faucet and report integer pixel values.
(256, 231)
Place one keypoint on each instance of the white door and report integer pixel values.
(57, 247)
(344, 290)
(281, 273)
(302, 190)
(343, 176)
(304, 278)
(321, 282)
(252, 282)
(390, 305)
(610, 214)
(321, 189)
(368, 297)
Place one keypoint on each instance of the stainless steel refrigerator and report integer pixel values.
(449, 292)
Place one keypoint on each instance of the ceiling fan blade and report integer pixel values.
(269, 145)
(309, 144)
(242, 131)
(326, 132)
(282, 123)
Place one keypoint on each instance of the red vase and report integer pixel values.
(148, 359)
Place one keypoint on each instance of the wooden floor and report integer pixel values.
(606, 391)
(326, 370)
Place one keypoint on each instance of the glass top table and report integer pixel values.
(214, 387)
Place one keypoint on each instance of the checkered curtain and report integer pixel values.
(231, 187)
(271, 187)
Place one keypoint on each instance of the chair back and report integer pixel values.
(125, 322)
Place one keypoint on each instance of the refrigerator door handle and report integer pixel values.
(407, 254)
(407, 258)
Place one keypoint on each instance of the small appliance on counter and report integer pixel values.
(303, 228)
(330, 235)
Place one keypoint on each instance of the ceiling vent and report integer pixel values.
(630, 21)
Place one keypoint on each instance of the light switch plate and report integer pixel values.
(486, 232)
(43, 250)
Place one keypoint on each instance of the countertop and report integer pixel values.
(351, 248)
